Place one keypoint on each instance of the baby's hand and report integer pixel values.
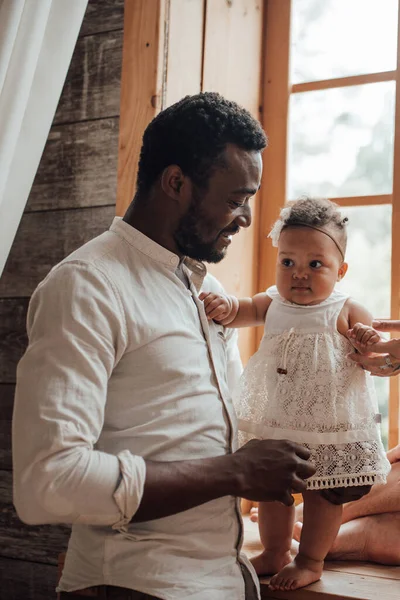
(363, 336)
(217, 306)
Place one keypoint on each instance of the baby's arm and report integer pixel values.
(229, 310)
(359, 330)
(353, 313)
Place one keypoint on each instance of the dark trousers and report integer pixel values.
(106, 592)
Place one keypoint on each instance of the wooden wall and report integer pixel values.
(232, 66)
(72, 200)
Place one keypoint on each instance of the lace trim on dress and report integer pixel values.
(347, 481)
(338, 435)
(343, 465)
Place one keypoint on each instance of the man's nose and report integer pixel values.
(244, 219)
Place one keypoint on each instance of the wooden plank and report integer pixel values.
(25, 580)
(13, 338)
(340, 580)
(236, 74)
(142, 87)
(6, 408)
(103, 15)
(275, 101)
(78, 167)
(339, 586)
(364, 200)
(364, 568)
(394, 394)
(328, 84)
(44, 239)
(185, 49)
(39, 543)
(92, 86)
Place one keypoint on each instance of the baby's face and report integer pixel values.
(308, 265)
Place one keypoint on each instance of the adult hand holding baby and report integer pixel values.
(271, 470)
(378, 356)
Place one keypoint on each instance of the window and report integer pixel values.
(329, 108)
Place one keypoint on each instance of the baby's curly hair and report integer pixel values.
(193, 134)
(315, 212)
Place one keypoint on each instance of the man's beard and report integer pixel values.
(189, 239)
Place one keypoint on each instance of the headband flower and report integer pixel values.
(276, 231)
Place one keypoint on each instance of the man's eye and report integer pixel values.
(237, 204)
(287, 262)
(315, 264)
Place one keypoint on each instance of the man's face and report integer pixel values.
(205, 231)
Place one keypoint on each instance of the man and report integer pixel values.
(123, 422)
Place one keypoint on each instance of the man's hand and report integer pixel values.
(271, 470)
(218, 307)
(381, 357)
(343, 495)
(264, 470)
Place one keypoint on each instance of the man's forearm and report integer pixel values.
(172, 487)
(263, 470)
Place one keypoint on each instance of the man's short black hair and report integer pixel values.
(193, 134)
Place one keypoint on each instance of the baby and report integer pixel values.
(301, 386)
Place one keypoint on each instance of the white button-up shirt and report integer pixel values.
(122, 365)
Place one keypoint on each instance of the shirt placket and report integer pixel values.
(247, 578)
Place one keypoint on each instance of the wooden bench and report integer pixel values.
(340, 580)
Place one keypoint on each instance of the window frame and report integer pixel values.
(275, 96)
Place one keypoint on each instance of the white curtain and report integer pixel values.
(37, 39)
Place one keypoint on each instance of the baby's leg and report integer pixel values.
(275, 522)
(320, 526)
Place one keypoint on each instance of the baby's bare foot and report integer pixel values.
(299, 573)
(297, 527)
(254, 515)
(270, 562)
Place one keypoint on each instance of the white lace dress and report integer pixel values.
(324, 401)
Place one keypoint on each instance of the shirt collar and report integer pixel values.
(150, 248)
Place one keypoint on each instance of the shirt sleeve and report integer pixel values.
(77, 334)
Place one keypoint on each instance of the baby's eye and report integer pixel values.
(287, 262)
(315, 264)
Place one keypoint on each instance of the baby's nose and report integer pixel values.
(301, 273)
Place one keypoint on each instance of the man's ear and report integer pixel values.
(342, 270)
(174, 183)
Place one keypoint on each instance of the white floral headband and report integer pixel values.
(280, 224)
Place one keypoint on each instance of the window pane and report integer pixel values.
(337, 38)
(341, 141)
(368, 278)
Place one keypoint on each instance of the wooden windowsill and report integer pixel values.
(340, 580)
